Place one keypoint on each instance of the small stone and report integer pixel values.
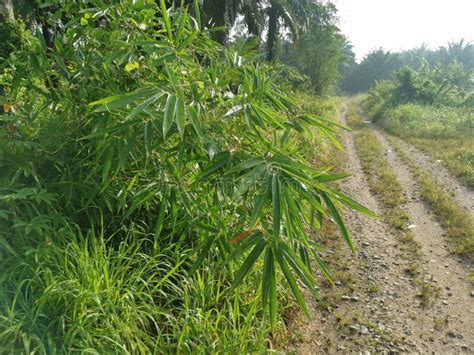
(411, 226)
(364, 330)
(345, 298)
(354, 299)
(445, 302)
(472, 293)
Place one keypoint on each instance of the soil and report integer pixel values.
(397, 299)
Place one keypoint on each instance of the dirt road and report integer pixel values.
(390, 298)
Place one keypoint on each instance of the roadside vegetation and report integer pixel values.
(431, 107)
(171, 172)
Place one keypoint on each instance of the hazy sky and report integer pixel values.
(404, 24)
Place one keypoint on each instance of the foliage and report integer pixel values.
(10, 37)
(148, 174)
(432, 108)
(450, 86)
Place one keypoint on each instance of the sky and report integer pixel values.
(404, 24)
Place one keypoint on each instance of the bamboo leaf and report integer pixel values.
(168, 117)
(334, 213)
(182, 22)
(117, 101)
(248, 263)
(269, 286)
(291, 281)
(276, 203)
(145, 104)
(166, 20)
(219, 161)
(260, 201)
(180, 115)
(195, 122)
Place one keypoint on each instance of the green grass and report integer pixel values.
(85, 296)
(457, 222)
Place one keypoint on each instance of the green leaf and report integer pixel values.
(117, 101)
(145, 104)
(197, 8)
(169, 113)
(220, 160)
(276, 205)
(291, 281)
(195, 122)
(269, 295)
(303, 272)
(166, 20)
(180, 116)
(331, 177)
(249, 179)
(246, 164)
(260, 201)
(248, 263)
(182, 22)
(334, 213)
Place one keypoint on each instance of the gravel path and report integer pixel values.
(383, 311)
(462, 194)
(451, 276)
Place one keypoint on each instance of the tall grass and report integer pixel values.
(76, 294)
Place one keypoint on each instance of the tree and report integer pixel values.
(322, 53)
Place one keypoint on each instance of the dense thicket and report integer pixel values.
(152, 195)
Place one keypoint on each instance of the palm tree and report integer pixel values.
(276, 15)
(292, 14)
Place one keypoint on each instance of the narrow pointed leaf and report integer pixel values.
(248, 263)
(168, 117)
